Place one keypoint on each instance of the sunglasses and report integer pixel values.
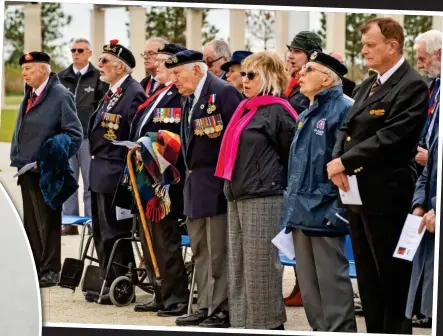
(251, 75)
(80, 51)
(210, 63)
(103, 60)
(308, 68)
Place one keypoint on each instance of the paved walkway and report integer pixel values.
(64, 306)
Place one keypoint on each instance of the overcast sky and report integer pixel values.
(116, 19)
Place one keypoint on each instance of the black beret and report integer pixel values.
(120, 52)
(171, 49)
(329, 62)
(35, 57)
(184, 57)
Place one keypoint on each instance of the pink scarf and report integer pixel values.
(231, 138)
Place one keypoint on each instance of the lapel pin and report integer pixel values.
(202, 106)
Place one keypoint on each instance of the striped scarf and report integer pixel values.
(156, 172)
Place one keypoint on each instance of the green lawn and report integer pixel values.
(13, 100)
(8, 123)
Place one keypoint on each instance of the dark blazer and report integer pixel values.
(108, 160)
(378, 139)
(298, 101)
(348, 86)
(172, 99)
(203, 192)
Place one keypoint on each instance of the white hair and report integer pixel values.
(336, 80)
(221, 48)
(432, 40)
(48, 69)
(83, 40)
(203, 67)
(159, 40)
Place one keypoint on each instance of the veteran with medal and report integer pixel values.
(376, 144)
(209, 105)
(111, 122)
(163, 111)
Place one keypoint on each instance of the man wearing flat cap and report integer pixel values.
(162, 111)
(311, 208)
(48, 109)
(111, 122)
(301, 45)
(232, 69)
(209, 105)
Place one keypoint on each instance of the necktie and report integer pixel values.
(153, 86)
(375, 86)
(31, 101)
(188, 113)
(78, 75)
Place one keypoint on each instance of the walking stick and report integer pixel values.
(158, 280)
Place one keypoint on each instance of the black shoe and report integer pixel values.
(49, 279)
(176, 309)
(280, 327)
(148, 307)
(194, 319)
(220, 319)
(90, 297)
(425, 323)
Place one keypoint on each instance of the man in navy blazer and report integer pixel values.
(111, 122)
(209, 105)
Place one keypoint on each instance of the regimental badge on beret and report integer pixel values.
(172, 59)
(120, 52)
(34, 57)
(29, 57)
(314, 55)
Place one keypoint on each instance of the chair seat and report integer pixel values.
(185, 241)
(75, 220)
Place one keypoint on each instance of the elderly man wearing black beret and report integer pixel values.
(48, 110)
(311, 208)
(209, 105)
(111, 122)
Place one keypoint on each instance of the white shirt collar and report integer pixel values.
(199, 88)
(82, 71)
(118, 84)
(41, 88)
(391, 71)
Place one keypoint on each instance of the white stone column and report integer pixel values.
(3, 90)
(437, 22)
(336, 33)
(97, 33)
(281, 32)
(194, 22)
(237, 18)
(33, 28)
(137, 36)
(397, 17)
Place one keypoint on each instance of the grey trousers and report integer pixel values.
(326, 289)
(254, 270)
(80, 162)
(208, 245)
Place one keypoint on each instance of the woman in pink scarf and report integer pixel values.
(253, 161)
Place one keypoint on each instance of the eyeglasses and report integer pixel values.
(79, 50)
(251, 75)
(148, 54)
(161, 60)
(308, 68)
(103, 60)
(210, 63)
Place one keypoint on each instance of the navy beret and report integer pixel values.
(184, 57)
(329, 62)
(119, 51)
(34, 57)
(171, 49)
(237, 57)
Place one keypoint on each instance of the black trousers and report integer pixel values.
(106, 230)
(42, 225)
(383, 280)
(166, 242)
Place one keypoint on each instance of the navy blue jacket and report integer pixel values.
(311, 199)
(52, 114)
(203, 192)
(108, 160)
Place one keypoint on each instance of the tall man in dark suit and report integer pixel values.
(149, 84)
(376, 144)
(48, 109)
(163, 111)
(83, 80)
(111, 121)
(209, 105)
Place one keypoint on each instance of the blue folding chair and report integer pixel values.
(350, 257)
(80, 221)
(186, 243)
